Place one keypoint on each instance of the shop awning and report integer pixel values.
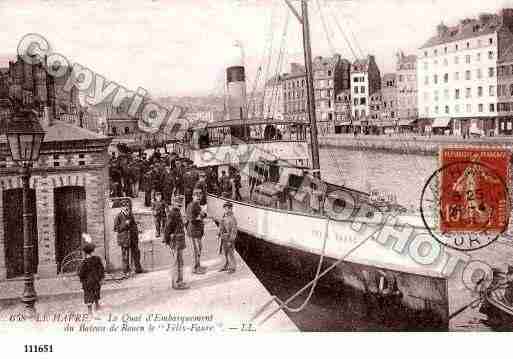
(406, 122)
(384, 124)
(441, 122)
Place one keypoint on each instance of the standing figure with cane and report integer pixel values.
(228, 235)
(174, 237)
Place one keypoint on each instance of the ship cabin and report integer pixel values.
(272, 160)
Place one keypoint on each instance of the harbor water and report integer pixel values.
(333, 309)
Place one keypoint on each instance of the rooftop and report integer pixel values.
(466, 29)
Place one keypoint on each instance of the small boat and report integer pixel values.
(496, 307)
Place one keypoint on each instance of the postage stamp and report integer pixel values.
(472, 196)
(473, 190)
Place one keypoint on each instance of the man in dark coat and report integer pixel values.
(159, 213)
(226, 185)
(195, 229)
(168, 185)
(91, 273)
(128, 239)
(174, 237)
(146, 187)
(201, 184)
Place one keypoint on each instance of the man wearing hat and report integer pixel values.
(195, 229)
(128, 239)
(174, 237)
(202, 185)
(159, 213)
(228, 235)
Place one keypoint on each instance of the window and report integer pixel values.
(490, 40)
(356, 102)
(457, 94)
(400, 78)
(362, 101)
(467, 59)
(435, 52)
(362, 89)
(492, 107)
(356, 89)
(445, 62)
(456, 60)
(457, 108)
(446, 94)
(436, 109)
(491, 72)
(490, 55)
(511, 90)
(436, 95)
(480, 107)
(426, 111)
(447, 109)
(469, 108)
(467, 92)
(467, 75)
(435, 79)
(425, 53)
(479, 73)
(468, 47)
(491, 90)
(456, 47)
(426, 80)
(456, 76)
(445, 50)
(329, 72)
(480, 91)
(446, 78)
(478, 56)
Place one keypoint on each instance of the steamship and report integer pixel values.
(289, 218)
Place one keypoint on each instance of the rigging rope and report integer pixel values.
(279, 65)
(325, 26)
(332, 12)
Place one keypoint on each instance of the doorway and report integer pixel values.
(70, 222)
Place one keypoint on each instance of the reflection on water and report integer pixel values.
(402, 175)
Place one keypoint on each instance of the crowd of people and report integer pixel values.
(169, 175)
(168, 182)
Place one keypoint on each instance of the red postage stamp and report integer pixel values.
(474, 190)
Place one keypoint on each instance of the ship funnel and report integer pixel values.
(236, 84)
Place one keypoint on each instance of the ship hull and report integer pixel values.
(288, 242)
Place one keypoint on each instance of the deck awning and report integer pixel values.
(441, 122)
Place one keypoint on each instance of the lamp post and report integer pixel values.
(25, 136)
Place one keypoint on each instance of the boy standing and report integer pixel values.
(91, 274)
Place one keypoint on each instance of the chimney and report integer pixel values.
(441, 29)
(506, 18)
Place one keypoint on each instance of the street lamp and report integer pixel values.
(25, 136)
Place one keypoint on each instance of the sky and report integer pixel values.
(181, 47)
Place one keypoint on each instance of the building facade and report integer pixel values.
(331, 75)
(406, 83)
(294, 93)
(505, 93)
(457, 74)
(389, 97)
(365, 81)
(69, 184)
(343, 111)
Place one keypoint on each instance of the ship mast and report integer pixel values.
(310, 95)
